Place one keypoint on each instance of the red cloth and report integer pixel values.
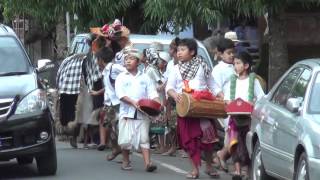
(239, 106)
(205, 94)
(189, 138)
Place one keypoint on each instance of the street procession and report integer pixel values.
(171, 104)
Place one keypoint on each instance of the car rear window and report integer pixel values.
(12, 56)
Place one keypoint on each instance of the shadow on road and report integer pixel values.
(13, 170)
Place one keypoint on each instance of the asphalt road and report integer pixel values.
(82, 164)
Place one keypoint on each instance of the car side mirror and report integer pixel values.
(44, 64)
(293, 104)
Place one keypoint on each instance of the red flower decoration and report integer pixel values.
(105, 29)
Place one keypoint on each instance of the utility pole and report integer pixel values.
(68, 29)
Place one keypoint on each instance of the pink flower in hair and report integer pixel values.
(105, 29)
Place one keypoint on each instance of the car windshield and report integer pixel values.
(201, 51)
(12, 58)
(79, 45)
(314, 104)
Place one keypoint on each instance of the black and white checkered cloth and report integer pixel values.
(69, 74)
(92, 71)
(190, 68)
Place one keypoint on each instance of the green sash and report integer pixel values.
(233, 84)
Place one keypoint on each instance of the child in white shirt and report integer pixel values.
(243, 85)
(131, 86)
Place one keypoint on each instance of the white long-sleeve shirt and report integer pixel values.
(242, 89)
(110, 97)
(222, 72)
(199, 82)
(135, 87)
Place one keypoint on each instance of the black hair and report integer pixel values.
(174, 43)
(91, 39)
(245, 58)
(115, 46)
(144, 52)
(106, 54)
(100, 40)
(224, 44)
(190, 43)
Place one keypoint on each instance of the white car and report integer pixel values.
(79, 44)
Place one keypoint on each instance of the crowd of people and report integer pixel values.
(108, 99)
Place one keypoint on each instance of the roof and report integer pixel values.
(163, 39)
(310, 62)
(313, 63)
(6, 30)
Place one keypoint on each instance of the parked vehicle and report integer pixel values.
(26, 125)
(143, 41)
(79, 44)
(284, 140)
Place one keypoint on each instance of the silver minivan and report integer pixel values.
(284, 139)
(79, 44)
(143, 41)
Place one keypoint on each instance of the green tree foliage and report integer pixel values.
(46, 12)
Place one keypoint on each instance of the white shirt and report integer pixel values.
(135, 87)
(169, 69)
(199, 82)
(119, 58)
(242, 89)
(222, 72)
(110, 97)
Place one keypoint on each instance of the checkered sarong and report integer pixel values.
(69, 74)
(92, 71)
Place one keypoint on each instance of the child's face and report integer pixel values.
(184, 53)
(228, 56)
(240, 67)
(131, 63)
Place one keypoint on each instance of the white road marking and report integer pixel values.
(168, 166)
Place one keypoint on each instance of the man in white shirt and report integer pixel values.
(131, 86)
(111, 101)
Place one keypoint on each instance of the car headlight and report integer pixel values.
(33, 102)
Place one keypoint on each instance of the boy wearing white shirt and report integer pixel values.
(246, 86)
(192, 74)
(131, 86)
(224, 69)
(221, 74)
(111, 101)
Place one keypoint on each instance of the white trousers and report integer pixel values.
(134, 133)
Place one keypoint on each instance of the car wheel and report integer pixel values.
(302, 172)
(24, 160)
(47, 164)
(258, 172)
